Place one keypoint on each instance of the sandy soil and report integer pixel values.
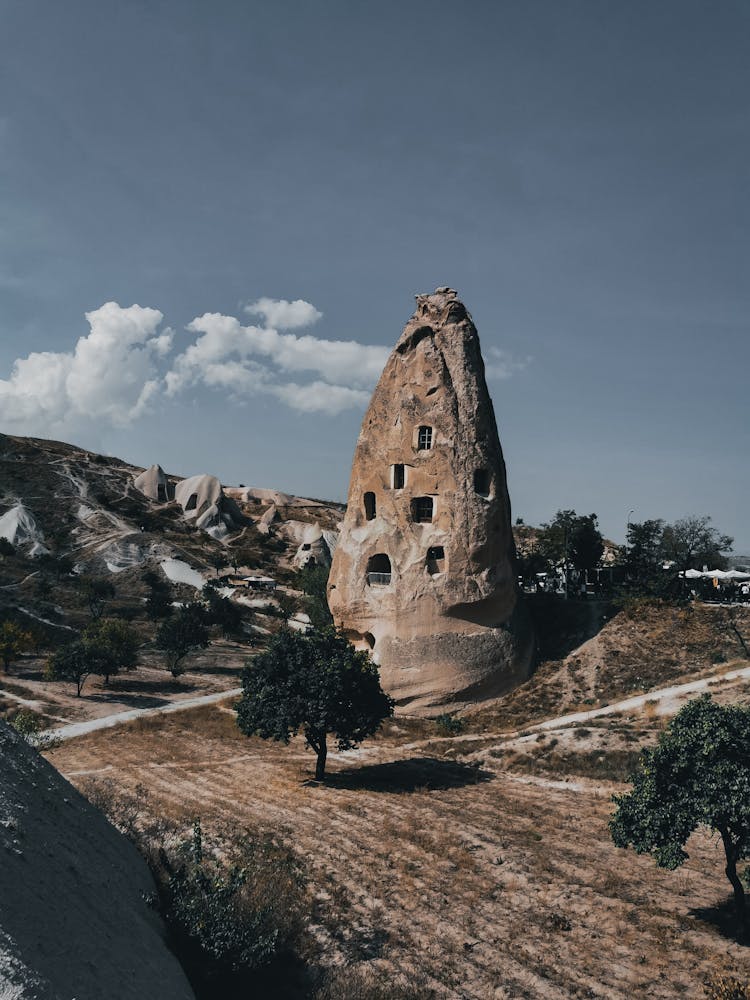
(475, 881)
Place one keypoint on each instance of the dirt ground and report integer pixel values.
(217, 668)
(472, 879)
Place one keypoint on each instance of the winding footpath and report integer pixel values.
(74, 729)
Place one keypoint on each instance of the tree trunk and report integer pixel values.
(731, 873)
(320, 765)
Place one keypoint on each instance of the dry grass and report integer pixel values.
(458, 880)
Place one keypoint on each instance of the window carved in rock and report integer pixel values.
(435, 559)
(370, 507)
(424, 438)
(422, 509)
(192, 502)
(379, 570)
(398, 476)
(482, 482)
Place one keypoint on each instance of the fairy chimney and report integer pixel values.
(423, 574)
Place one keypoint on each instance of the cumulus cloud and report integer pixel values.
(114, 374)
(261, 359)
(111, 374)
(284, 315)
(501, 364)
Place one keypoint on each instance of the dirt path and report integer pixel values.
(75, 729)
(664, 700)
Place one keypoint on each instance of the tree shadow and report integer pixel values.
(416, 773)
(133, 700)
(165, 686)
(723, 917)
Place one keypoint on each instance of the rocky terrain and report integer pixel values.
(74, 919)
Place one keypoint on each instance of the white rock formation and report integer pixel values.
(19, 527)
(153, 483)
(203, 500)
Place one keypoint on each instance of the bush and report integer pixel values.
(450, 725)
(231, 912)
(6, 548)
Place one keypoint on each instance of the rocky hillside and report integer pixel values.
(63, 508)
(74, 920)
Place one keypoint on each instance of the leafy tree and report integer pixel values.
(159, 600)
(112, 645)
(317, 683)
(7, 548)
(13, 642)
(697, 775)
(221, 611)
(72, 662)
(182, 634)
(571, 540)
(312, 581)
(692, 543)
(96, 594)
(58, 566)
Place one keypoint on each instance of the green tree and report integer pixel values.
(159, 600)
(96, 593)
(221, 611)
(312, 581)
(692, 543)
(13, 642)
(112, 645)
(72, 662)
(317, 683)
(697, 775)
(571, 540)
(181, 635)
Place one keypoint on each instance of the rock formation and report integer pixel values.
(153, 483)
(203, 500)
(74, 921)
(423, 574)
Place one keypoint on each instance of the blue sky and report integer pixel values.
(578, 171)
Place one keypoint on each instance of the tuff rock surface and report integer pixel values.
(423, 574)
(75, 923)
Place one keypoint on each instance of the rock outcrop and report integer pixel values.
(203, 500)
(74, 921)
(153, 483)
(423, 574)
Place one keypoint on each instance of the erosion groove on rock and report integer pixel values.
(423, 575)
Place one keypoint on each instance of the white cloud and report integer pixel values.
(260, 358)
(114, 373)
(284, 315)
(501, 364)
(109, 376)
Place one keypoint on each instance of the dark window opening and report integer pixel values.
(399, 477)
(192, 502)
(482, 482)
(306, 547)
(161, 492)
(379, 570)
(369, 499)
(421, 509)
(435, 559)
(424, 439)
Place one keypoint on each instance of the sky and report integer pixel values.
(214, 218)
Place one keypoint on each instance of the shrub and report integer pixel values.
(726, 988)
(448, 724)
(232, 911)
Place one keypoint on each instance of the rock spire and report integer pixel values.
(423, 574)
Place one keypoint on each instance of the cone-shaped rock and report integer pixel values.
(423, 574)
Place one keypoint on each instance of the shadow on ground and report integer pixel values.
(416, 773)
(723, 917)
